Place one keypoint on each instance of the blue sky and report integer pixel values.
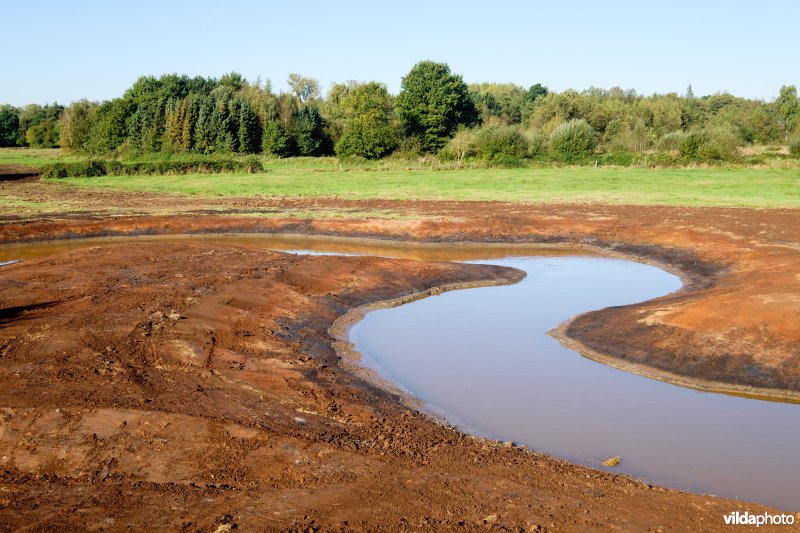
(64, 51)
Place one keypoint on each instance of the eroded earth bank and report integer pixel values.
(193, 385)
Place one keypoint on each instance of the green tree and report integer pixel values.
(309, 132)
(305, 89)
(222, 130)
(9, 125)
(788, 108)
(175, 118)
(275, 141)
(76, 125)
(432, 103)
(203, 135)
(112, 123)
(369, 130)
(463, 144)
(498, 102)
(535, 92)
(333, 111)
(249, 134)
(43, 135)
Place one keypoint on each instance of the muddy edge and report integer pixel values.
(696, 274)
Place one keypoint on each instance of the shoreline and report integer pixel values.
(559, 332)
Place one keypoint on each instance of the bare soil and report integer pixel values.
(193, 386)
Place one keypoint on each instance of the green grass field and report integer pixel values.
(691, 187)
(33, 157)
(391, 179)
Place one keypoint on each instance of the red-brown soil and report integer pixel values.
(734, 323)
(160, 385)
(187, 385)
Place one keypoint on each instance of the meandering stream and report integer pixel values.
(482, 358)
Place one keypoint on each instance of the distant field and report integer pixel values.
(32, 157)
(391, 179)
(691, 187)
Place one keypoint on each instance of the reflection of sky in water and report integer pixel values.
(483, 359)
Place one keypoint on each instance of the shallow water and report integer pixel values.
(299, 244)
(482, 358)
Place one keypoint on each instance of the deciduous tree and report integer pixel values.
(432, 104)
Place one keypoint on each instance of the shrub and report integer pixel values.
(718, 142)
(722, 141)
(501, 142)
(506, 161)
(794, 147)
(573, 138)
(191, 165)
(632, 139)
(253, 165)
(409, 148)
(463, 145)
(536, 142)
(693, 144)
(671, 142)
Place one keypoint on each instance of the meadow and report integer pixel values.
(430, 180)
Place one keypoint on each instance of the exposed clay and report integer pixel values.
(131, 400)
(188, 386)
(732, 323)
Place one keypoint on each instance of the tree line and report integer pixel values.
(436, 112)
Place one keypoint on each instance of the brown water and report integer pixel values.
(482, 359)
(301, 244)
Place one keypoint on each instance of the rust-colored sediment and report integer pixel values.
(191, 385)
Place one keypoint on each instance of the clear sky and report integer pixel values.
(63, 51)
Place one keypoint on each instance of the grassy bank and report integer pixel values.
(691, 187)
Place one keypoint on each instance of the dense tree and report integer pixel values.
(498, 102)
(44, 119)
(309, 132)
(175, 113)
(43, 135)
(223, 128)
(249, 134)
(432, 104)
(369, 130)
(788, 108)
(275, 141)
(203, 135)
(535, 92)
(333, 110)
(112, 125)
(175, 119)
(9, 125)
(76, 125)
